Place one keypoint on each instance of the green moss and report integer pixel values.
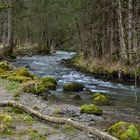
(13, 110)
(6, 119)
(5, 122)
(8, 131)
(12, 85)
(124, 131)
(4, 65)
(73, 87)
(49, 79)
(91, 109)
(35, 87)
(21, 75)
(34, 135)
(28, 120)
(100, 99)
(50, 86)
(68, 129)
(57, 112)
(23, 72)
(20, 79)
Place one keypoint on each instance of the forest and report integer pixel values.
(72, 63)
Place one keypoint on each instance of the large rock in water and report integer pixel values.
(49, 82)
(73, 87)
(125, 131)
(100, 99)
(91, 109)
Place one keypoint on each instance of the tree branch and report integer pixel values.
(75, 124)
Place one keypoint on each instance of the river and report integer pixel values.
(124, 96)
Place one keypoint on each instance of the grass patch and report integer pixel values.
(68, 129)
(9, 85)
(57, 112)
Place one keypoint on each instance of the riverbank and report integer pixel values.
(114, 72)
(54, 107)
(27, 50)
(62, 104)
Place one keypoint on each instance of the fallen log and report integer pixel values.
(77, 125)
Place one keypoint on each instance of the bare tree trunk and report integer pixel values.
(130, 28)
(10, 31)
(121, 32)
(79, 35)
(4, 37)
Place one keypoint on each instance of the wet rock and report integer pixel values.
(125, 131)
(73, 87)
(21, 75)
(91, 109)
(75, 97)
(100, 99)
(35, 87)
(49, 79)
(50, 86)
(23, 72)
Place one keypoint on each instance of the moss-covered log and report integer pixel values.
(75, 124)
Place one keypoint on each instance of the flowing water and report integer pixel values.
(125, 96)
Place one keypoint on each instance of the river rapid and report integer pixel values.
(125, 98)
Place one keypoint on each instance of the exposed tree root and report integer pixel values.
(77, 125)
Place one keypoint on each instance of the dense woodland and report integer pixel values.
(97, 28)
(43, 96)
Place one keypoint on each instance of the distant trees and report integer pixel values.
(103, 29)
(110, 29)
(43, 23)
(7, 24)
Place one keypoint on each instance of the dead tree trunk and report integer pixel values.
(77, 125)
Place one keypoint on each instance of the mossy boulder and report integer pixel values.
(20, 79)
(91, 109)
(21, 75)
(50, 86)
(100, 99)
(49, 79)
(35, 87)
(4, 74)
(23, 72)
(4, 65)
(124, 131)
(73, 87)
